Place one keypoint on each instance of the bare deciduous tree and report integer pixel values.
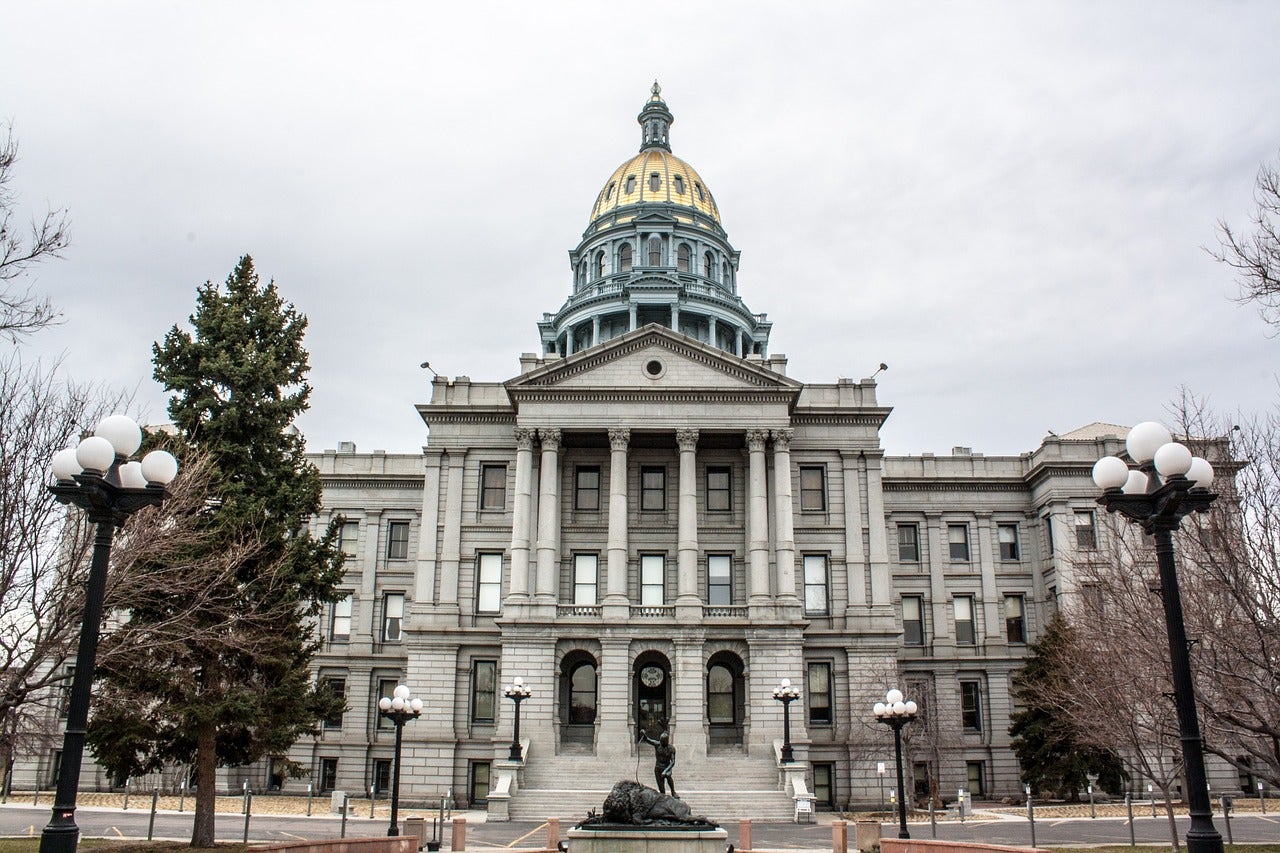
(22, 311)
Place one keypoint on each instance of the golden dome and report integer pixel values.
(655, 176)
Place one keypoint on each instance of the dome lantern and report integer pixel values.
(655, 122)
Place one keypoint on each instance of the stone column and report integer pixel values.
(757, 518)
(631, 315)
(675, 316)
(881, 582)
(855, 565)
(568, 341)
(687, 526)
(939, 601)
(785, 546)
(428, 530)
(617, 544)
(450, 553)
(548, 517)
(991, 601)
(521, 514)
(613, 691)
(711, 330)
(595, 330)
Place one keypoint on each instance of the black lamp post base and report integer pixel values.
(514, 754)
(60, 836)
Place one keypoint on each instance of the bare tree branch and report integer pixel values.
(22, 311)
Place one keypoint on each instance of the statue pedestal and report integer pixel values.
(648, 839)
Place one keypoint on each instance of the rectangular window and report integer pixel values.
(397, 540)
(1048, 533)
(820, 693)
(328, 775)
(64, 692)
(958, 542)
(381, 775)
(386, 689)
(824, 787)
(584, 578)
(719, 580)
(813, 488)
(908, 543)
(488, 583)
(719, 489)
(912, 620)
(977, 773)
(923, 776)
(479, 783)
(1008, 535)
(392, 616)
(1086, 534)
(338, 687)
(340, 621)
(493, 487)
(586, 488)
(966, 633)
(348, 538)
(971, 706)
(1015, 628)
(484, 691)
(653, 572)
(815, 584)
(653, 489)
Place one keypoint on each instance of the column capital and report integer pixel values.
(687, 439)
(550, 439)
(525, 437)
(619, 438)
(756, 439)
(782, 438)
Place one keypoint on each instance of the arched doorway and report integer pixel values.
(578, 699)
(651, 686)
(725, 699)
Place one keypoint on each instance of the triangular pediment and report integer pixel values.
(653, 359)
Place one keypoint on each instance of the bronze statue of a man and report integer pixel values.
(664, 755)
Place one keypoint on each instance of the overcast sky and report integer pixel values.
(1007, 203)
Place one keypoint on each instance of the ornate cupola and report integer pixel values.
(655, 252)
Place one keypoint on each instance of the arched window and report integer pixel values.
(720, 704)
(582, 694)
(655, 182)
(624, 257)
(682, 257)
(599, 264)
(655, 251)
(631, 184)
(708, 265)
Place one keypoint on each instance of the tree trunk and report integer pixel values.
(1173, 821)
(206, 782)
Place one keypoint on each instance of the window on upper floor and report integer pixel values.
(338, 687)
(493, 487)
(719, 580)
(971, 705)
(347, 542)
(1015, 628)
(1048, 533)
(655, 251)
(958, 542)
(1008, 536)
(631, 184)
(682, 257)
(816, 601)
(599, 264)
(819, 688)
(1086, 533)
(655, 182)
(966, 629)
(340, 619)
(586, 488)
(653, 488)
(719, 489)
(678, 181)
(698, 188)
(912, 620)
(397, 540)
(653, 575)
(813, 488)
(908, 543)
(484, 690)
(624, 257)
(392, 616)
(488, 583)
(386, 690)
(708, 265)
(608, 194)
(585, 577)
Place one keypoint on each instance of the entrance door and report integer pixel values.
(652, 685)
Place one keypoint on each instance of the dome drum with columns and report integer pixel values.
(655, 252)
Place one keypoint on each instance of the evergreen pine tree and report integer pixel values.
(1044, 738)
(232, 685)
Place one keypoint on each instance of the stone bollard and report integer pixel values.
(744, 834)
(553, 833)
(459, 841)
(839, 837)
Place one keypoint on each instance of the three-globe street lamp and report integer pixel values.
(786, 694)
(517, 692)
(895, 713)
(400, 707)
(1168, 484)
(98, 477)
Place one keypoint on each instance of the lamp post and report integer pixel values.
(895, 713)
(786, 694)
(517, 692)
(98, 477)
(400, 707)
(1168, 484)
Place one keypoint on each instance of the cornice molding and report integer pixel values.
(371, 481)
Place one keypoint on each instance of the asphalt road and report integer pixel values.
(19, 820)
